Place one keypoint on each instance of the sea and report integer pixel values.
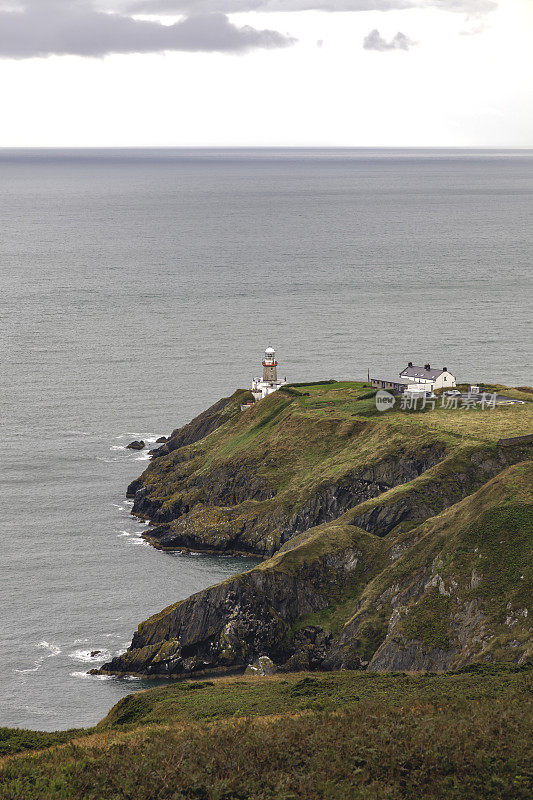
(140, 286)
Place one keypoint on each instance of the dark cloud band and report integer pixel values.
(51, 27)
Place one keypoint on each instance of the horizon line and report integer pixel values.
(262, 147)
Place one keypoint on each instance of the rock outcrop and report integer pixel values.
(263, 666)
(136, 445)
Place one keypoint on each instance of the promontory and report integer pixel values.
(396, 540)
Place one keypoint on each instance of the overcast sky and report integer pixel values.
(266, 72)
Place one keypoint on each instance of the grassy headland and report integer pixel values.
(396, 540)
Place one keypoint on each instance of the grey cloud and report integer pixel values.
(470, 7)
(375, 41)
(239, 6)
(52, 27)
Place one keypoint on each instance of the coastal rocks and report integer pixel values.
(134, 487)
(136, 445)
(161, 440)
(263, 666)
(236, 622)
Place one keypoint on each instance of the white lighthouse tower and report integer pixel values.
(270, 372)
(270, 382)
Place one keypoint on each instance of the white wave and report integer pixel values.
(86, 657)
(128, 502)
(117, 447)
(138, 435)
(94, 677)
(53, 649)
(114, 459)
(124, 533)
(78, 433)
(143, 457)
(80, 641)
(38, 664)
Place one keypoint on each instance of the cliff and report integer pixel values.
(392, 541)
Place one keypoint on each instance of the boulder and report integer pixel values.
(95, 653)
(161, 440)
(136, 445)
(263, 666)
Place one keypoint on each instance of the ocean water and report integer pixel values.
(139, 286)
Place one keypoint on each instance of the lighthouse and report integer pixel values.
(270, 372)
(270, 382)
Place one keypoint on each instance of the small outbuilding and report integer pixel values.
(390, 384)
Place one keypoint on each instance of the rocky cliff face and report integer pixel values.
(394, 544)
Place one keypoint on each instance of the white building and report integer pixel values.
(416, 379)
(270, 382)
(431, 378)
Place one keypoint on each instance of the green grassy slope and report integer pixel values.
(341, 735)
(19, 740)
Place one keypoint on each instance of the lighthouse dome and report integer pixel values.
(270, 350)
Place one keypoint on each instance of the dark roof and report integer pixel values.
(421, 372)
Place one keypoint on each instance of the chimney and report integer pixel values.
(445, 369)
(410, 364)
(427, 366)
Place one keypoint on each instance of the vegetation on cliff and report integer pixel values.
(397, 540)
(341, 736)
